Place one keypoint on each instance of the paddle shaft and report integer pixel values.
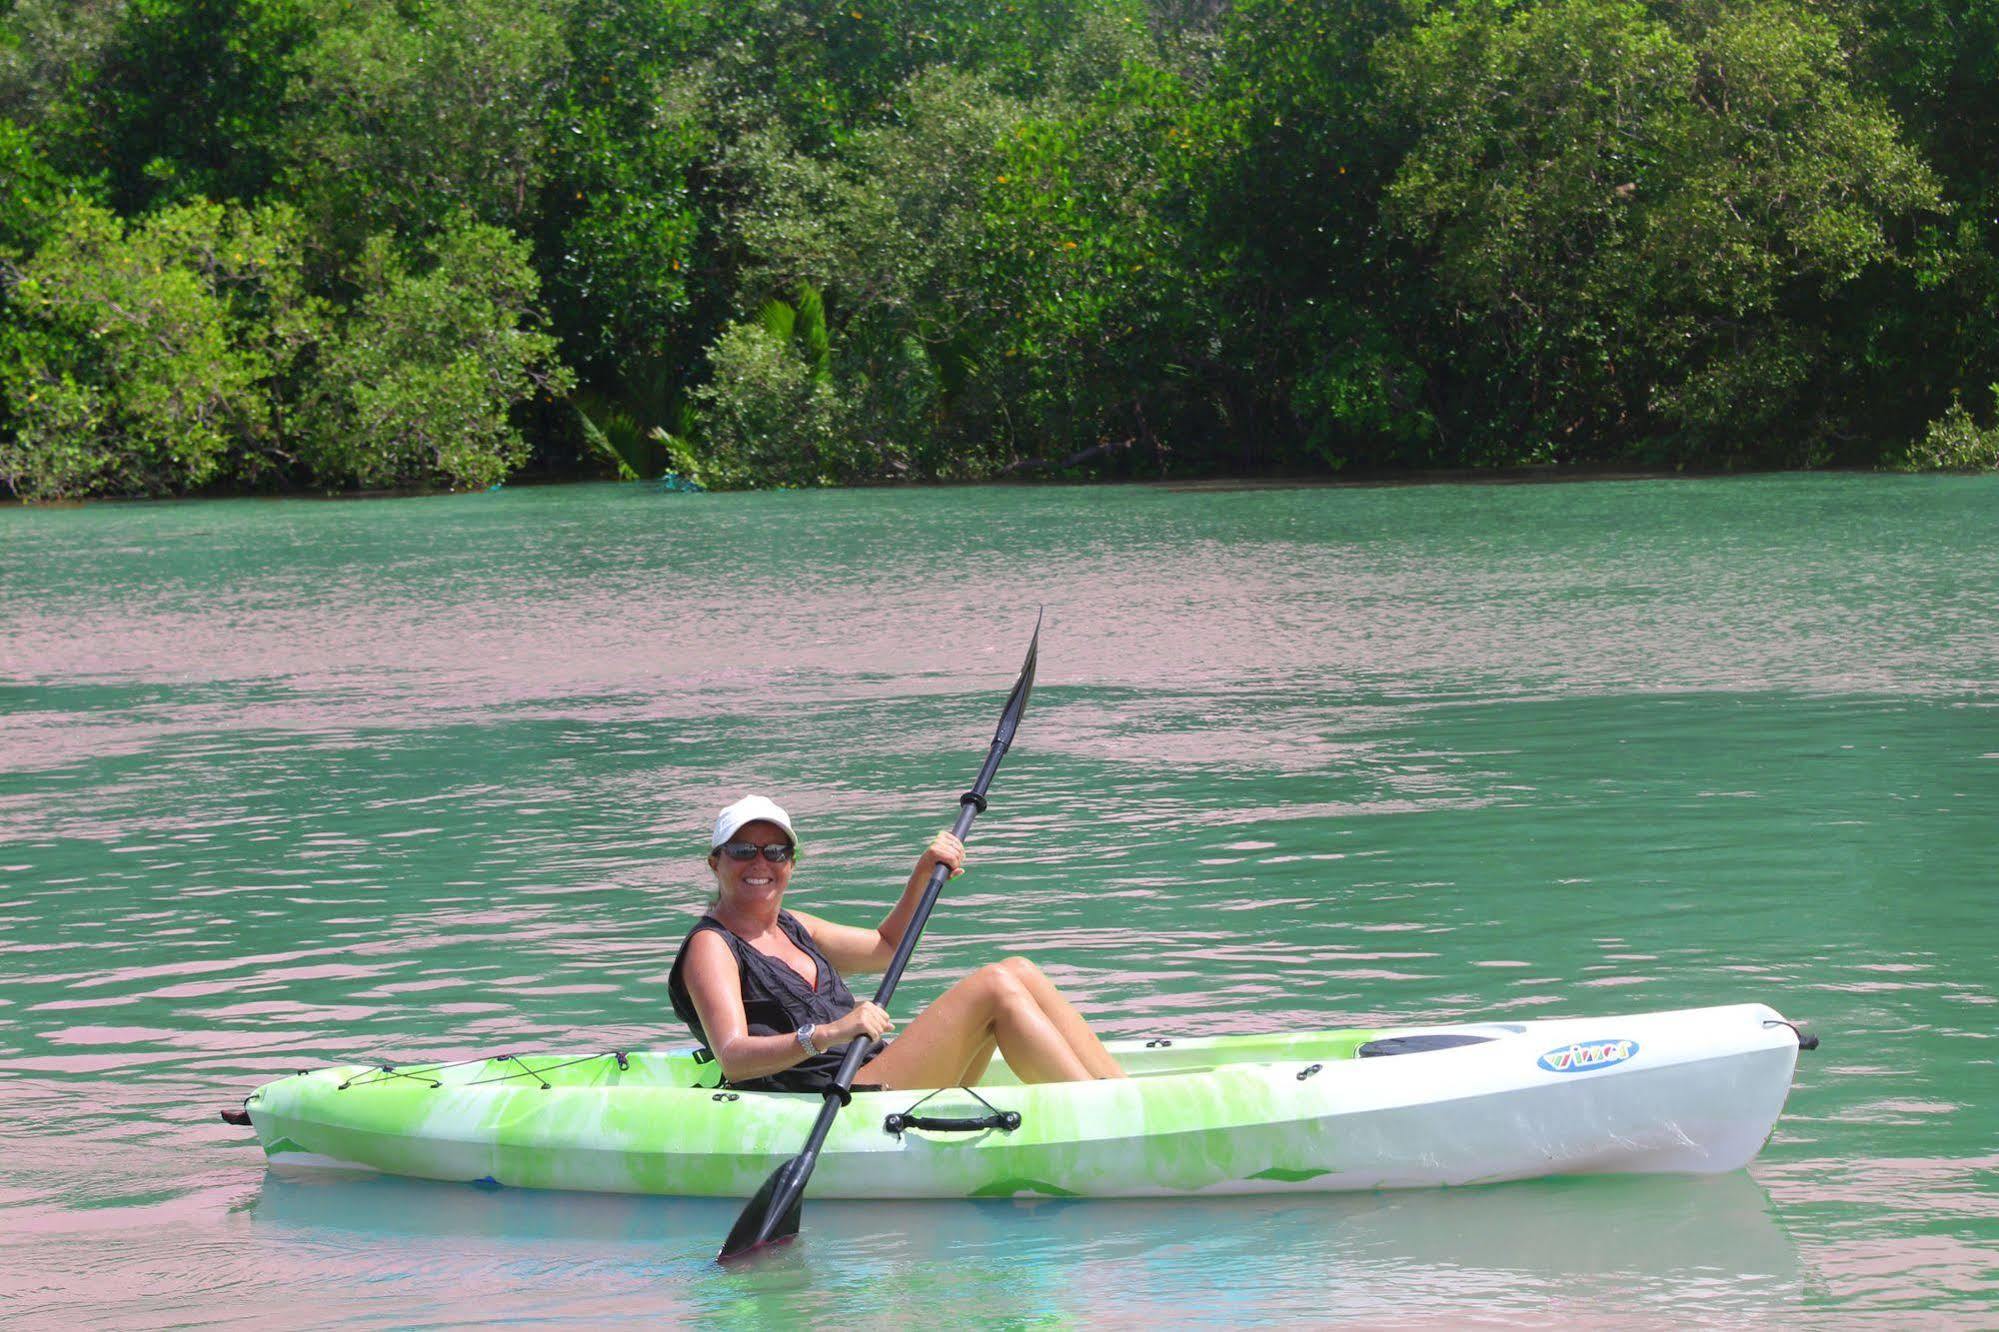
(857, 1049)
(967, 811)
(773, 1212)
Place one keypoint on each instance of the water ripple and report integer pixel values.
(282, 784)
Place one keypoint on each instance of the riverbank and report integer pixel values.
(1357, 479)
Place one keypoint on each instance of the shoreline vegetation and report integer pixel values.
(1526, 474)
(266, 247)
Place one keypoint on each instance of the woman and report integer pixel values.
(761, 986)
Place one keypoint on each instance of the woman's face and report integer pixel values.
(749, 882)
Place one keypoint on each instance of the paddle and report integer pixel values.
(772, 1215)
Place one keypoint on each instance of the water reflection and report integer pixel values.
(1610, 1245)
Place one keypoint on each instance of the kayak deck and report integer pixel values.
(687, 1070)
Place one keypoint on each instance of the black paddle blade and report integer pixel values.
(1016, 702)
(771, 1217)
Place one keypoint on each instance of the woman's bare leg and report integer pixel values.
(977, 1068)
(992, 1006)
(1067, 1020)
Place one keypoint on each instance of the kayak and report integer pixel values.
(1693, 1091)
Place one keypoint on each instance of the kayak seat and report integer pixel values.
(1440, 1040)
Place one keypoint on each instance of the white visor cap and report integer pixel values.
(751, 809)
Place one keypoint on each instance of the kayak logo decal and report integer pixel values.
(1582, 1056)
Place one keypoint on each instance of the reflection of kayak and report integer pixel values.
(1697, 1091)
(1395, 1249)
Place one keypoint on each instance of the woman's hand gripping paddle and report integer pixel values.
(772, 1215)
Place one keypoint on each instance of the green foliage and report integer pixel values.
(684, 469)
(769, 418)
(1937, 65)
(1103, 310)
(51, 53)
(619, 439)
(802, 327)
(31, 202)
(188, 97)
(821, 72)
(1319, 364)
(145, 359)
(625, 240)
(784, 242)
(904, 225)
(1357, 392)
(620, 232)
(418, 383)
(904, 253)
(891, 233)
(400, 121)
(1954, 442)
(1630, 230)
(638, 447)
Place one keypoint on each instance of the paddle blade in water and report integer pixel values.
(770, 1217)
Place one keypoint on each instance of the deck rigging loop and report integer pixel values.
(1006, 1121)
(525, 1069)
(385, 1072)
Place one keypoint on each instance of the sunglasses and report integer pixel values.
(775, 852)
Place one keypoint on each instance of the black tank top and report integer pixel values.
(776, 1000)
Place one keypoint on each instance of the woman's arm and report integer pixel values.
(717, 991)
(850, 949)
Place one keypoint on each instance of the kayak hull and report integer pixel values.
(1695, 1091)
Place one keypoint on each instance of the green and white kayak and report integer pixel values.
(1691, 1091)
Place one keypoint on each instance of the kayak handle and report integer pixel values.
(1807, 1040)
(1004, 1120)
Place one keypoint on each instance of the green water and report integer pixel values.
(286, 783)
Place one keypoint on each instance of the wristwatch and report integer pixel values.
(804, 1035)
